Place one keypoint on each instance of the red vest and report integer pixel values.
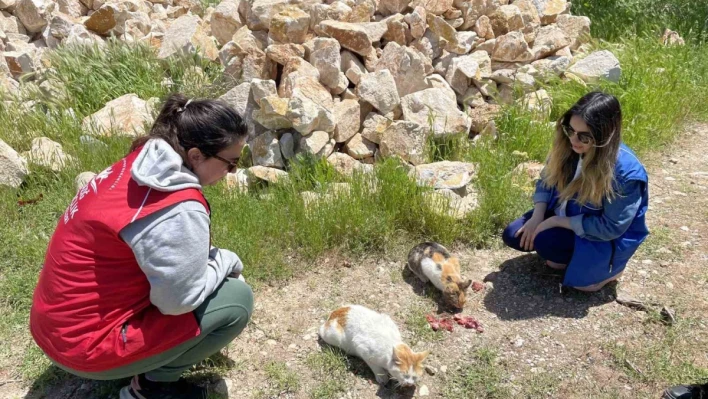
(91, 309)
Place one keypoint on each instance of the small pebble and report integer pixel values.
(271, 342)
(424, 391)
(431, 370)
(684, 228)
(669, 285)
(443, 369)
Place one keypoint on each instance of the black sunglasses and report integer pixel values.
(232, 165)
(584, 137)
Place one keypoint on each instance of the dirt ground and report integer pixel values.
(547, 343)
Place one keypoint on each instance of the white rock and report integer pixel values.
(315, 142)
(260, 12)
(270, 175)
(49, 154)
(265, 150)
(538, 103)
(83, 179)
(347, 165)
(549, 39)
(226, 20)
(598, 65)
(127, 115)
(348, 116)
(407, 66)
(352, 67)
(576, 28)
(405, 139)
(325, 56)
(261, 88)
(423, 391)
(445, 174)
(311, 106)
(379, 90)
(186, 35)
(13, 168)
(360, 148)
(435, 105)
(290, 25)
(241, 100)
(34, 14)
(461, 71)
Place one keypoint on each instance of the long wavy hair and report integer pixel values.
(603, 115)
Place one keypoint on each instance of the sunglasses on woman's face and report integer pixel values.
(584, 137)
(232, 165)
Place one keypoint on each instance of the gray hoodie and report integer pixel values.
(172, 245)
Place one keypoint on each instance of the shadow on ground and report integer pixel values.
(524, 288)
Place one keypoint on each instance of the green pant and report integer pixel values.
(222, 316)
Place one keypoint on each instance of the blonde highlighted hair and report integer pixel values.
(603, 115)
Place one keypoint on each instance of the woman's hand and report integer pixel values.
(527, 231)
(549, 223)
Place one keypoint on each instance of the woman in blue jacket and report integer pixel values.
(591, 201)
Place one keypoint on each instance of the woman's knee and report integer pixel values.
(509, 235)
(232, 305)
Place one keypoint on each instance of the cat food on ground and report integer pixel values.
(468, 322)
(437, 324)
(477, 286)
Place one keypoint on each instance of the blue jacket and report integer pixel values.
(606, 236)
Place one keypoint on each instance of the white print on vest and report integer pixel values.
(93, 184)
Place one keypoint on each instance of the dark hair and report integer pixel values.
(603, 115)
(209, 125)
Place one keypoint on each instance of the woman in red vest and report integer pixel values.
(131, 286)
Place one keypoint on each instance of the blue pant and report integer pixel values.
(554, 244)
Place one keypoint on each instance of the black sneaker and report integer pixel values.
(686, 392)
(141, 388)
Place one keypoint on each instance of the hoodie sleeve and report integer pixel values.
(172, 249)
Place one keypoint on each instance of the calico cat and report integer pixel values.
(374, 338)
(430, 261)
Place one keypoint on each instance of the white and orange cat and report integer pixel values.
(432, 262)
(374, 338)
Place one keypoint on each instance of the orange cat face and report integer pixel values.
(455, 288)
(409, 365)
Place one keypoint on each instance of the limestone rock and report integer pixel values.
(352, 67)
(127, 115)
(351, 36)
(336, 11)
(265, 150)
(264, 173)
(325, 56)
(226, 20)
(49, 154)
(461, 71)
(417, 20)
(242, 101)
(483, 28)
(506, 19)
(290, 26)
(577, 29)
(549, 39)
(13, 168)
(405, 139)
(315, 142)
(83, 179)
(598, 65)
(263, 88)
(360, 148)
(186, 35)
(482, 116)
(347, 114)
(448, 203)
(538, 103)
(260, 12)
(435, 7)
(435, 105)
(287, 146)
(273, 113)
(512, 47)
(347, 165)
(407, 66)
(34, 14)
(379, 89)
(374, 127)
(282, 53)
(311, 106)
(445, 174)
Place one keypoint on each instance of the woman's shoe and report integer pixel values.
(141, 388)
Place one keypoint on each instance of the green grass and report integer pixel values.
(331, 367)
(280, 380)
(267, 231)
(613, 20)
(668, 359)
(484, 377)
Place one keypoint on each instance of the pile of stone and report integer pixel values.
(345, 80)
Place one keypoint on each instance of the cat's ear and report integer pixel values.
(422, 355)
(464, 286)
